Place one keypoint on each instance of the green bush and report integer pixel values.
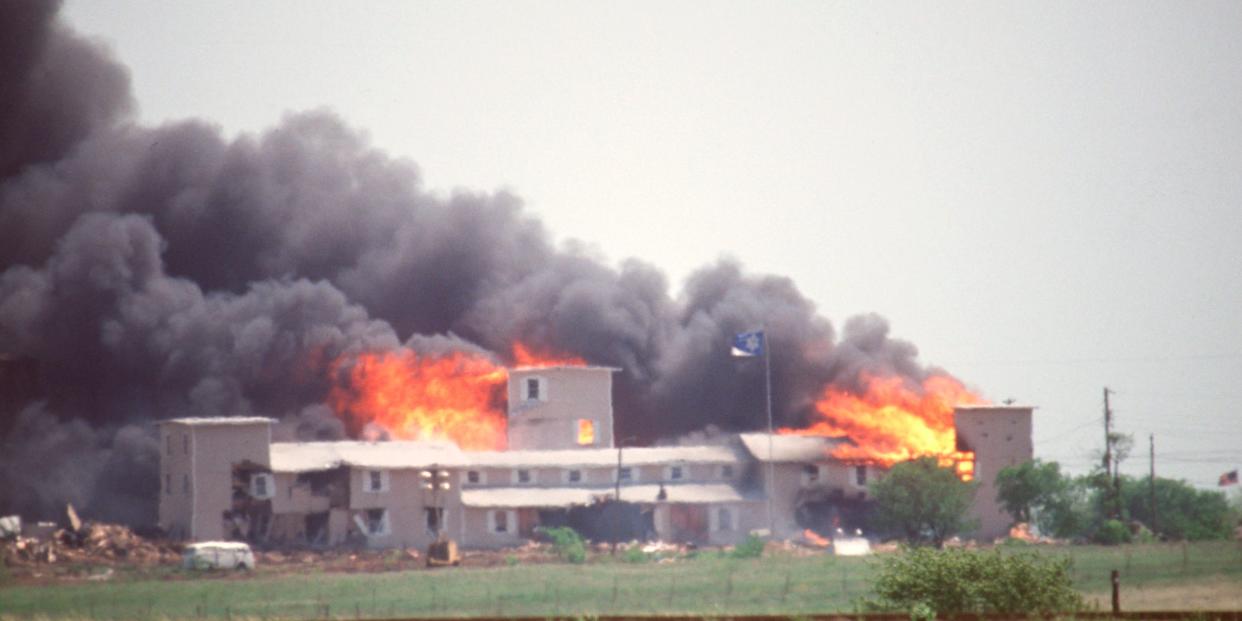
(568, 544)
(956, 581)
(635, 554)
(1112, 532)
(751, 548)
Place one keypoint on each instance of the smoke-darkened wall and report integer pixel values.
(156, 272)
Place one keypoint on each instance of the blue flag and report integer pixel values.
(748, 344)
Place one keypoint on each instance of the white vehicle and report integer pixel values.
(217, 555)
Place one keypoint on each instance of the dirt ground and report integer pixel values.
(1210, 593)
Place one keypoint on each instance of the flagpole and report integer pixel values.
(767, 391)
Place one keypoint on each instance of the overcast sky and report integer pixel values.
(1045, 197)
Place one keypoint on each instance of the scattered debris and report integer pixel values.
(10, 526)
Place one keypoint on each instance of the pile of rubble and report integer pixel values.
(93, 543)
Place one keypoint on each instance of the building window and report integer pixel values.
(185, 443)
(726, 471)
(723, 519)
(521, 476)
(626, 473)
(573, 476)
(262, 486)
(168, 484)
(377, 522)
(168, 445)
(474, 477)
(375, 481)
(535, 389)
(502, 522)
(810, 474)
(860, 475)
(674, 473)
(185, 483)
(586, 431)
(434, 517)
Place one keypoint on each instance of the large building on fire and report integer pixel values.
(224, 478)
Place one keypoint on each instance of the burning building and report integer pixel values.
(155, 278)
(225, 478)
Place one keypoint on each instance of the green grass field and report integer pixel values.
(710, 586)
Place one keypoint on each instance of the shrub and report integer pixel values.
(1112, 532)
(751, 548)
(959, 581)
(568, 544)
(635, 554)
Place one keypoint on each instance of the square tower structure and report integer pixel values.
(999, 436)
(560, 407)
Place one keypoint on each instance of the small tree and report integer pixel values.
(1029, 486)
(923, 502)
(960, 581)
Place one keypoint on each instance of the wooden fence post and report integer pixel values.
(1115, 578)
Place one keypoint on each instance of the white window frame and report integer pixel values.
(668, 472)
(444, 518)
(543, 388)
(634, 474)
(714, 518)
(565, 475)
(517, 479)
(385, 525)
(465, 477)
(269, 485)
(367, 480)
(510, 522)
(854, 476)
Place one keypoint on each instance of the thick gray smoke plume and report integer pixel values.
(149, 273)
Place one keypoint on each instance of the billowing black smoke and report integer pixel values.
(148, 273)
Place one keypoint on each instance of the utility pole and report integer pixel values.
(1109, 472)
(1151, 439)
(1108, 435)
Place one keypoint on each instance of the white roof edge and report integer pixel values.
(576, 367)
(1002, 406)
(218, 420)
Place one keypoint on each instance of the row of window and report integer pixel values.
(813, 474)
(262, 485)
(504, 521)
(523, 476)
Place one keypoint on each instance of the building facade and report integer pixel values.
(223, 478)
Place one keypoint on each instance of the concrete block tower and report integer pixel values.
(560, 407)
(1000, 436)
(197, 459)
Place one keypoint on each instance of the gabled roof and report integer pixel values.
(315, 456)
(789, 449)
(636, 456)
(515, 497)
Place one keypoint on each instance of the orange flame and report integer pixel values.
(457, 396)
(586, 432)
(893, 421)
(525, 356)
(814, 539)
